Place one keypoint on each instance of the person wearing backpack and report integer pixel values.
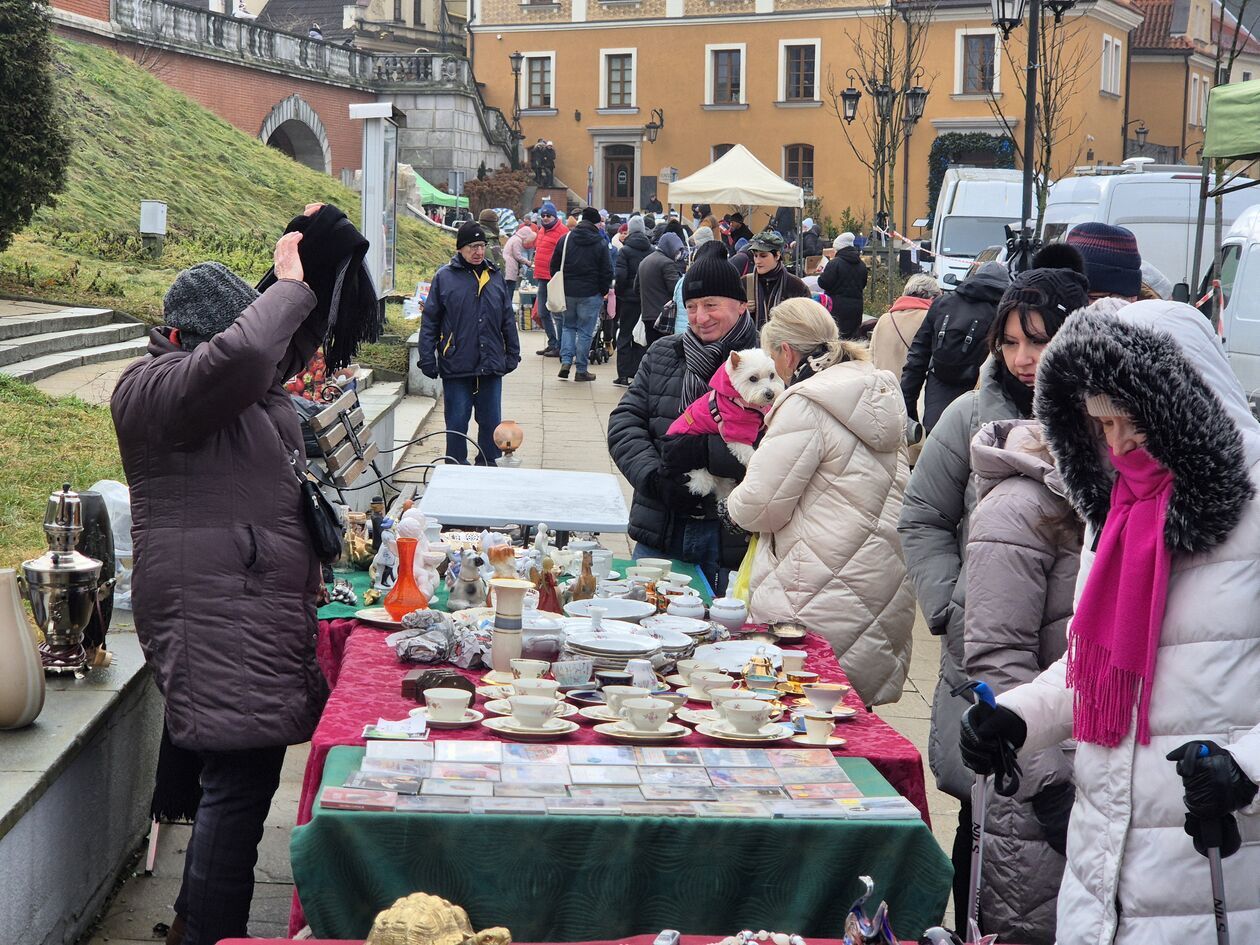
(949, 348)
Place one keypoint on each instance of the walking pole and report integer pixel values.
(1212, 832)
(980, 692)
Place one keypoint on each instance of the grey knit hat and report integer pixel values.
(206, 299)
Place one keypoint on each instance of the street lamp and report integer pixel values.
(517, 135)
(653, 127)
(849, 99)
(916, 102)
(884, 100)
(1007, 14)
(1141, 134)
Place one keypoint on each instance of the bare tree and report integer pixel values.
(888, 47)
(150, 58)
(1067, 58)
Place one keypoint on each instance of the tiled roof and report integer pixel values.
(1156, 29)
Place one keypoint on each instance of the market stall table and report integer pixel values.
(492, 496)
(567, 877)
(632, 940)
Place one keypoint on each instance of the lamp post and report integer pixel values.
(916, 101)
(1140, 135)
(1008, 14)
(517, 135)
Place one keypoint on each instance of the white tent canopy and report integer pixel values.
(736, 179)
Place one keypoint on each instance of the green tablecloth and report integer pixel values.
(556, 878)
(359, 581)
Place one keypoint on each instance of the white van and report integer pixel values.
(1161, 207)
(1240, 288)
(972, 212)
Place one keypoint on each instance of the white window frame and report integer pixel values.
(523, 90)
(1205, 88)
(783, 48)
(960, 52)
(1112, 56)
(1117, 66)
(709, 50)
(633, 53)
(1194, 101)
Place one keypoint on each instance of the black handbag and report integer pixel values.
(321, 519)
(664, 323)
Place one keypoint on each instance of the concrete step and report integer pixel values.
(28, 347)
(46, 365)
(20, 326)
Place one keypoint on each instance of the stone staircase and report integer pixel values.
(39, 344)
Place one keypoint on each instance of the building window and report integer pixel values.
(798, 166)
(617, 81)
(1112, 60)
(1203, 103)
(976, 65)
(1194, 100)
(397, 11)
(724, 75)
(417, 14)
(800, 72)
(719, 150)
(1246, 76)
(539, 76)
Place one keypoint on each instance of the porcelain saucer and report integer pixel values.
(377, 616)
(724, 732)
(504, 707)
(599, 713)
(694, 694)
(508, 727)
(833, 741)
(586, 696)
(699, 716)
(496, 678)
(471, 717)
(676, 680)
(622, 732)
(496, 692)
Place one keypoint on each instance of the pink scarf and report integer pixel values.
(1115, 633)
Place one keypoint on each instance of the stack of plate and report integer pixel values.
(675, 644)
(609, 650)
(700, 631)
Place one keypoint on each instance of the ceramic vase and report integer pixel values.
(505, 638)
(21, 674)
(405, 596)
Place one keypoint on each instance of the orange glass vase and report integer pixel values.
(405, 596)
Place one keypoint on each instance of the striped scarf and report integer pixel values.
(703, 359)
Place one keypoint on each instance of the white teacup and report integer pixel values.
(570, 673)
(793, 660)
(664, 565)
(645, 714)
(529, 669)
(819, 726)
(536, 687)
(686, 605)
(687, 667)
(534, 711)
(747, 716)
(719, 698)
(825, 696)
(704, 681)
(446, 705)
(615, 696)
(601, 563)
(644, 572)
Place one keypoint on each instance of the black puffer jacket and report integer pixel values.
(636, 434)
(634, 249)
(811, 243)
(587, 267)
(844, 281)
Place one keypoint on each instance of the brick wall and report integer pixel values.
(244, 97)
(96, 9)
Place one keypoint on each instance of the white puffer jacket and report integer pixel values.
(1133, 876)
(824, 491)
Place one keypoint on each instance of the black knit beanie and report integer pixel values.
(711, 276)
(590, 215)
(470, 232)
(1055, 293)
(206, 299)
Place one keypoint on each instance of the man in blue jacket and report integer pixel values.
(468, 338)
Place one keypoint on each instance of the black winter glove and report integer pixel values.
(1219, 832)
(1052, 806)
(990, 739)
(1215, 785)
(675, 496)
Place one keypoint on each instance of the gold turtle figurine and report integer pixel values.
(422, 919)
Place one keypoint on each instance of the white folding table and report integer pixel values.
(493, 496)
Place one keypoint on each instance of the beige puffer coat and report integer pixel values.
(824, 491)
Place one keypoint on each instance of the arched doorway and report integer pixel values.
(294, 128)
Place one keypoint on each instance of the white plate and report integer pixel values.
(699, 716)
(724, 732)
(504, 707)
(496, 692)
(694, 694)
(618, 608)
(600, 645)
(509, 728)
(688, 625)
(599, 713)
(378, 616)
(471, 717)
(731, 655)
(621, 731)
(676, 681)
(606, 626)
(833, 741)
(668, 639)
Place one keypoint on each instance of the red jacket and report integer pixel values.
(543, 246)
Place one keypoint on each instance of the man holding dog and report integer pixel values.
(666, 520)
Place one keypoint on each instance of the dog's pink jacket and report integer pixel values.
(721, 411)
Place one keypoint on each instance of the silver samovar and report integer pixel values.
(63, 586)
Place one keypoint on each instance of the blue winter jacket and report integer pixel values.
(467, 332)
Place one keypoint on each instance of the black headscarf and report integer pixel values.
(332, 253)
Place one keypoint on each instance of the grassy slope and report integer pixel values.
(228, 195)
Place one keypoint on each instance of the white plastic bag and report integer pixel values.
(118, 505)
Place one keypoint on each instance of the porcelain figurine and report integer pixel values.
(422, 919)
(542, 539)
(384, 570)
(585, 585)
(469, 589)
(545, 581)
(503, 560)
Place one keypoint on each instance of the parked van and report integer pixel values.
(1159, 203)
(974, 207)
(1240, 289)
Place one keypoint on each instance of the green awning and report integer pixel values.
(430, 195)
(1233, 125)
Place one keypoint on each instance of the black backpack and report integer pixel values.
(958, 349)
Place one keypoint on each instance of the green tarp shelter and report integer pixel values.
(1233, 130)
(430, 195)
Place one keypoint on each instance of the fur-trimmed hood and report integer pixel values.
(1161, 363)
